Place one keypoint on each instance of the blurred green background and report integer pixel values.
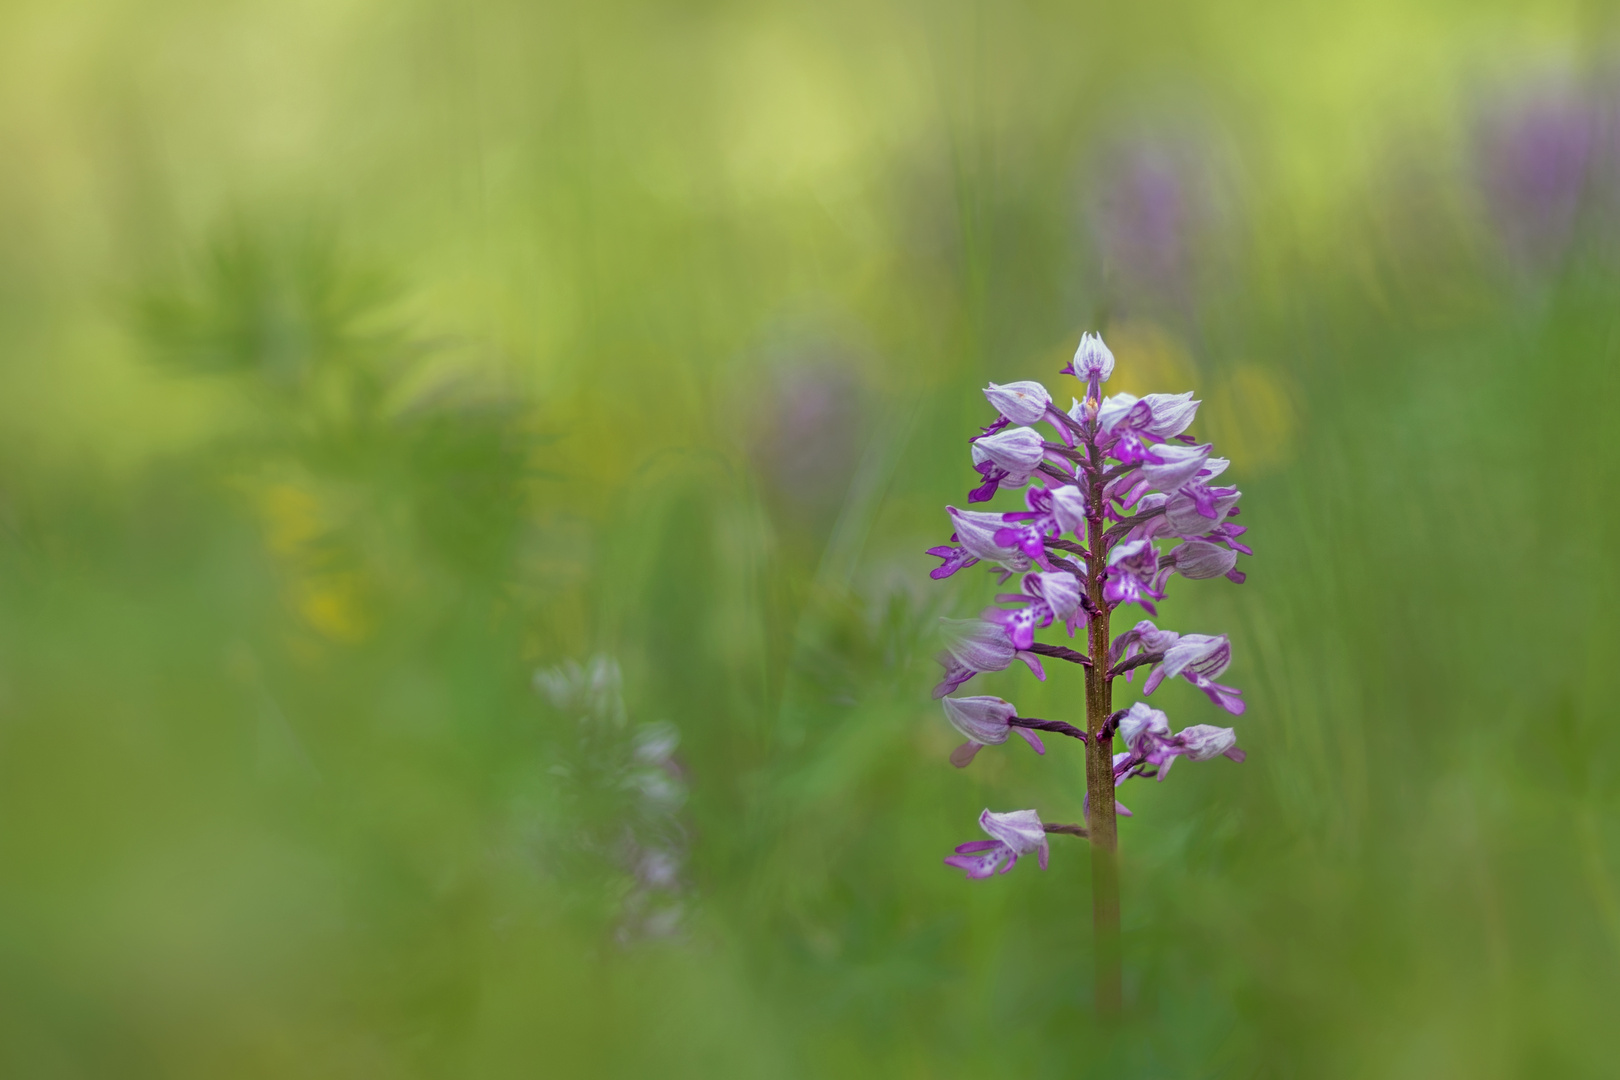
(359, 361)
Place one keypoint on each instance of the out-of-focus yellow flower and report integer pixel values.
(291, 519)
(1252, 416)
(330, 601)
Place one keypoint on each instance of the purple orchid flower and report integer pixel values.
(1046, 597)
(1130, 424)
(1015, 833)
(1052, 512)
(984, 721)
(977, 533)
(974, 645)
(1146, 733)
(1198, 560)
(1143, 638)
(1134, 575)
(1200, 659)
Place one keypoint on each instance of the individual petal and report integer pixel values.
(1200, 559)
(1020, 402)
(982, 865)
(1033, 739)
(982, 719)
(963, 755)
(1204, 741)
(1018, 450)
(1227, 697)
(976, 845)
(1020, 830)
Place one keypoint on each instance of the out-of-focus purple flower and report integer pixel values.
(1013, 834)
(1151, 199)
(976, 533)
(1045, 597)
(1134, 576)
(807, 433)
(1146, 734)
(1093, 363)
(1200, 559)
(974, 645)
(984, 721)
(1533, 160)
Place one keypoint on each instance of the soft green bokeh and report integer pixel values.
(357, 360)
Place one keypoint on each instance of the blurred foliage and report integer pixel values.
(359, 362)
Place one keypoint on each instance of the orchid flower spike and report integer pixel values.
(1124, 500)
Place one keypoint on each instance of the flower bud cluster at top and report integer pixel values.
(1120, 478)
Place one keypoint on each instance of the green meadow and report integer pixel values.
(360, 361)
